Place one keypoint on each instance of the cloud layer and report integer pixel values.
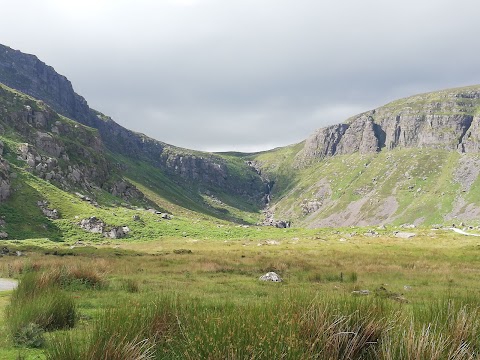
(246, 75)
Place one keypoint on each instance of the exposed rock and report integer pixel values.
(269, 242)
(417, 122)
(116, 232)
(310, 206)
(404, 235)
(48, 144)
(166, 216)
(361, 292)
(50, 213)
(28, 74)
(125, 190)
(282, 224)
(3, 235)
(271, 276)
(93, 225)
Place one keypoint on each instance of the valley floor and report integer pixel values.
(217, 307)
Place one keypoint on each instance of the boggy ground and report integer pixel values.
(422, 297)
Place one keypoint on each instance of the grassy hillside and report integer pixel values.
(415, 186)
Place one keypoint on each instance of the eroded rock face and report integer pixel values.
(93, 225)
(49, 213)
(117, 232)
(125, 190)
(449, 123)
(98, 226)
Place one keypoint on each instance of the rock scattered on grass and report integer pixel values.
(405, 235)
(271, 242)
(361, 292)
(95, 225)
(49, 213)
(271, 276)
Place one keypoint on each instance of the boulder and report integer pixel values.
(116, 232)
(271, 276)
(282, 224)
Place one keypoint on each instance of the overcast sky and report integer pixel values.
(246, 75)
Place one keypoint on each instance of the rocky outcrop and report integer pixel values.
(93, 225)
(49, 213)
(444, 120)
(98, 226)
(324, 141)
(58, 150)
(125, 190)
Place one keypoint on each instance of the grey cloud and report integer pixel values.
(220, 75)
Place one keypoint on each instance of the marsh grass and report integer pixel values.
(213, 307)
(130, 331)
(38, 305)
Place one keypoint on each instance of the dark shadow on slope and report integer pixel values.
(168, 194)
(24, 219)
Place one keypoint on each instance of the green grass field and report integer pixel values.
(208, 302)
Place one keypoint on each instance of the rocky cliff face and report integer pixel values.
(54, 148)
(447, 120)
(30, 75)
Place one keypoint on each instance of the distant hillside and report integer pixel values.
(414, 160)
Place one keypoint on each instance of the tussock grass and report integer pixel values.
(287, 327)
(131, 285)
(130, 331)
(37, 304)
